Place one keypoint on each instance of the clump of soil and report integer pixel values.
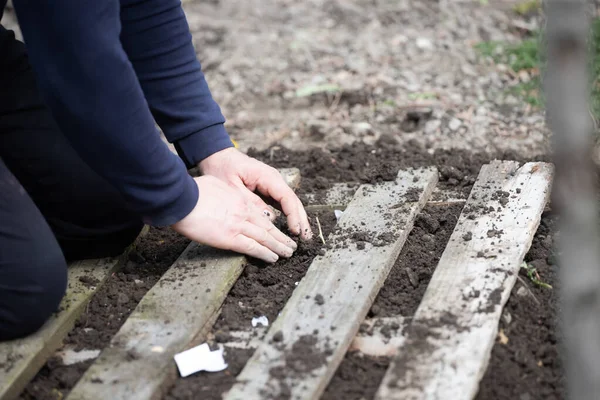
(529, 365)
(108, 310)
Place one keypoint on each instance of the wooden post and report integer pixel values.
(567, 88)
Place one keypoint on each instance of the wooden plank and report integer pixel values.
(174, 315)
(23, 358)
(376, 337)
(453, 331)
(311, 335)
(340, 194)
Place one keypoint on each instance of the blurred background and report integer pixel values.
(310, 73)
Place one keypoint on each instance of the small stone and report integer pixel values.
(362, 128)
(454, 124)
(122, 298)
(507, 317)
(467, 236)
(424, 43)
(521, 291)
(525, 396)
(278, 337)
(432, 126)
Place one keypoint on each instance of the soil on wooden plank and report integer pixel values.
(359, 376)
(529, 365)
(108, 310)
(261, 290)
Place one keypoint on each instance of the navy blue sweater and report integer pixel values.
(108, 70)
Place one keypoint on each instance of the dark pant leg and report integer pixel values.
(88, 216)
(33, 271)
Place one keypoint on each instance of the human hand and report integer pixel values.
(247, 174)
(226, 219)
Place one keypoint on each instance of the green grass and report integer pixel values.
(528, 56)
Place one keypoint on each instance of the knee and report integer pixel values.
(30, 300)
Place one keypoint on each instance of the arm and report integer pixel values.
(89, 84)
(156, 37)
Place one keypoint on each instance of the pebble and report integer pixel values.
(522, 292)
(454, 124)
(432, 126)
(424, 43)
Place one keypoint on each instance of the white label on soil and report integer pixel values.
(200, 358)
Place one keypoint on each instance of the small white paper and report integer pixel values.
(70, 356)
(200, 358)
(262, 320)
(338, 214)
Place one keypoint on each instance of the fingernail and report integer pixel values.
(274, 258)
(293, 245)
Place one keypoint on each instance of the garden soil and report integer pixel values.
(263, 290)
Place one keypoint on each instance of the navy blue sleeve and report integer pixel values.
(156, 37)
(90, 85)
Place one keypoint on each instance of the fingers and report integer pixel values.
(272, 230)
(256, 201)
(245, 245)
(275, 187)
(265, 239)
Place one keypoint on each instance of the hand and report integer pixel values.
(247, 174)
(224, 218)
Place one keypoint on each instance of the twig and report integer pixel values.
(320, 231)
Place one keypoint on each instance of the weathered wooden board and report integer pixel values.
(310, 337)
(450, 339)
(23, 358)
(340, 194)
(183, 305)
(376, 337)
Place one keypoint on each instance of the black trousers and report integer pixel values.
(53, 207)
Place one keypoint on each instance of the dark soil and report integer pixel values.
(362, 163)
(108, 310)
(529, 366)
(260, 290)
(405, 285)
(357, 377)
(264, 289)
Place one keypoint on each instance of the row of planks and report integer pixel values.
(443, 354)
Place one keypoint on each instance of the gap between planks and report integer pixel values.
(23, 358)
(333, 298)
(174, 315)
(449, 343)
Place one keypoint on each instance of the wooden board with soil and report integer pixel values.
(453, 330)
(172, 316)
(308, 340)
(532, 336)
